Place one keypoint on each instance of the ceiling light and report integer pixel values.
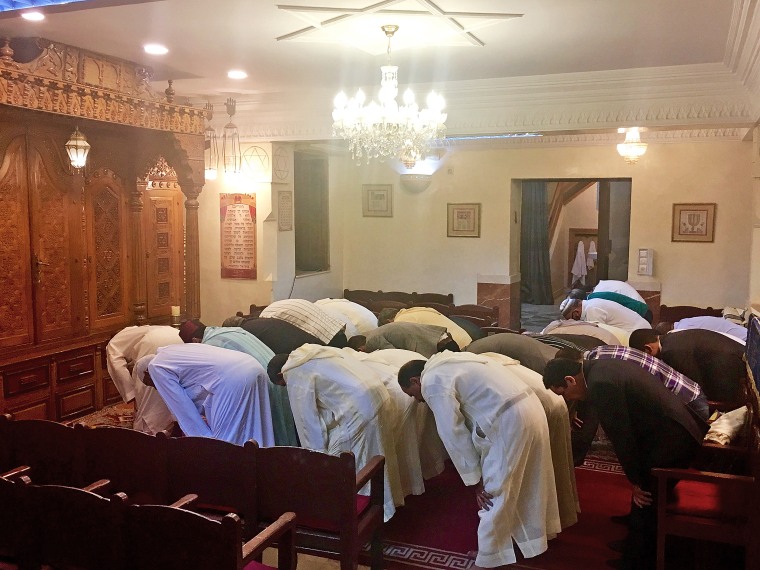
(380, 130)
(632, 149)
(155, 49)
(33, 16)
(211, 147)
(232, 158)
(237, 74)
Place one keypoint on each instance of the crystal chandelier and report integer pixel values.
(632, 149)
(380, 130)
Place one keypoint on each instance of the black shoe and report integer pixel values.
(616, 563)
(621, 519)
(616, 545)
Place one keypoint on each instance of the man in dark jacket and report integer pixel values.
(648, 426)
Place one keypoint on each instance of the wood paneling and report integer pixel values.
(162, 220)
(16, 316)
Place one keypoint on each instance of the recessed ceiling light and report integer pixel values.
(33, 16)
(237, 74)
(155, 49)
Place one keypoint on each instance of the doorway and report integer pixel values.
(579, 230)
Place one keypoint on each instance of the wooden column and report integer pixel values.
(139, 297)
(192, 251)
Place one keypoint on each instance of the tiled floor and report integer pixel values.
(534, 318)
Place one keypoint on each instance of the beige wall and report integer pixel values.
(410, 251)
(275, 251)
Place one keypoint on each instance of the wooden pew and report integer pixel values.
(333, 521)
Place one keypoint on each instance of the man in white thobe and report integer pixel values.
(340, 404)
(429, 316)
(212, 391)
(558, 420)
(421, 457)
(358, 319)
(605, 312)
(127, 347)
(496, 433)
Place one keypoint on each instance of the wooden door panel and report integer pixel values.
(106, 212)
(16, 308)
(164, 246)
(54, 250)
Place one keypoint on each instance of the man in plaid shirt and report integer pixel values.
(686, 389)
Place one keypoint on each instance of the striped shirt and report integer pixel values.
(683, 387)
(555, 341)
(306, 316)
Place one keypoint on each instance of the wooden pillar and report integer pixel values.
(139, 295)
(192, 251)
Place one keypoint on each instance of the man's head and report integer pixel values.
(386, 316)
(647, 340)
(357, 342)
(192, 331)
(409, 378)
(447, 342)
(571, 309)
(577, 294)
(564, 377)
(664, 327)
(274, 369)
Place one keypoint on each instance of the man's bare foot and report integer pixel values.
(472, 554)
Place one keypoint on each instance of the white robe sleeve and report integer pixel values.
(178, 401)
(310, 426)
(121, 345)
(456, 436)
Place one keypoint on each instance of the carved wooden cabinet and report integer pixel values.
(68, 260)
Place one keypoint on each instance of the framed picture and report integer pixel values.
(284, 210)
(693, 222)
(377, 200)
(463, 220)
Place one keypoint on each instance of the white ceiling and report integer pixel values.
(571, 68)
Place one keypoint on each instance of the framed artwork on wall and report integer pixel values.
(463, 220)
(284, 211)
(377, 200)
(693, 222)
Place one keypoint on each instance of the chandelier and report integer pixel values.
(232, 157)
(383, 129)
(632, 148)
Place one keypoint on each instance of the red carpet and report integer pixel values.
(438, 528)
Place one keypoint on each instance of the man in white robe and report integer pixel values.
(340, 404)
(127, 347)
(358, 319)
(429, 316)
(212, 391)
(604, 312)
(558, 420)
(421, 457)
(496, 433)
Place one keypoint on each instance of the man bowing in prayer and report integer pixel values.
(340, 404)
(212, 391)
(495, 431)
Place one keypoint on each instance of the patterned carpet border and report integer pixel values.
(601, 465)
(401, 554)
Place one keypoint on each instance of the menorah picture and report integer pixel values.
(693, 222)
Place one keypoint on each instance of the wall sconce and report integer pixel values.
(77, 148)
(210, 147)
(231, 155)
(416, 183)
